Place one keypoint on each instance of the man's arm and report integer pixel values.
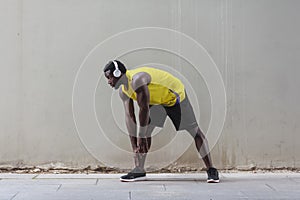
(130, 119)
(143, 99)
(140, 86)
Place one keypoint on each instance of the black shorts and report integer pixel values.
(182, 115)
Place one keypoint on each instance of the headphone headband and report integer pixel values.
(115, 64)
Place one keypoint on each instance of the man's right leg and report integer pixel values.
(157, 118)
(139, 173)
(140, 158)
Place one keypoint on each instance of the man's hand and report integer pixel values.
(142, 145)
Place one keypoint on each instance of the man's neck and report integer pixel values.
(124, 80)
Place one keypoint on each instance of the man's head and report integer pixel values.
(113, 71)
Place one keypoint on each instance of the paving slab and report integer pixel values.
(4, 195)
(16, 176)
(77, 176)
(47, 182)
(157, 186)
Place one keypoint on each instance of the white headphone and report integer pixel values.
(117, 73)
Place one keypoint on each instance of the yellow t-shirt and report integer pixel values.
(164, 88)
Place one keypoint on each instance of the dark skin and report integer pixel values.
(141, 141)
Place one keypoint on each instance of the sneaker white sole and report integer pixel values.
(213, 181)
(133, 180)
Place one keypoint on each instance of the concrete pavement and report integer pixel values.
(245, 185)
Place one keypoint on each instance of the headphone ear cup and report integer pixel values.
(117, 73)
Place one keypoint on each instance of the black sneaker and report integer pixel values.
(135, 175)
(213, 175)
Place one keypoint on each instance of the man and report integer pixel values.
(158, 95)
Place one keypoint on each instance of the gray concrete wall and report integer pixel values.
(255, 45)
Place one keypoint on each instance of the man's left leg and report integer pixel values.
(183, 118)
(201, 145)
(203, 149)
